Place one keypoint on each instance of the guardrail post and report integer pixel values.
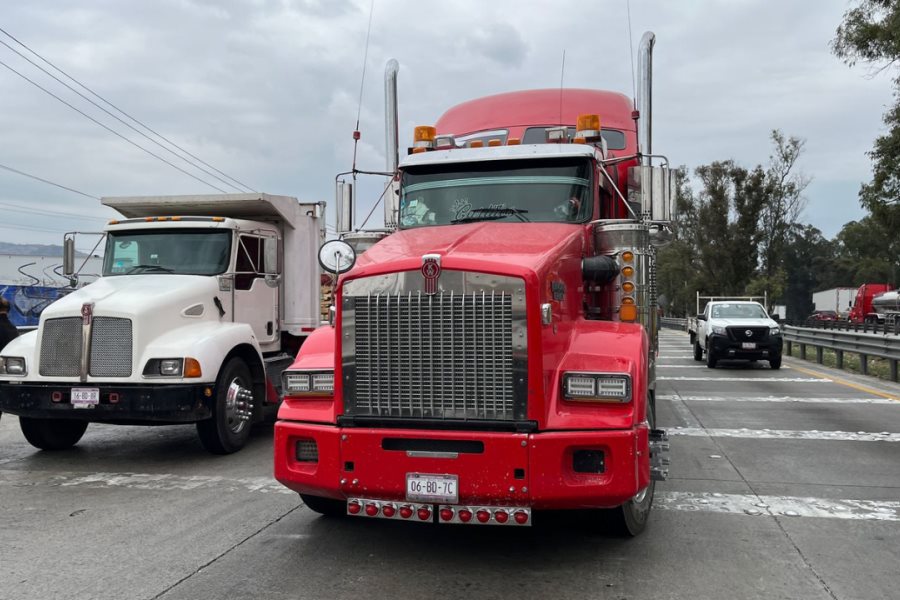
(839, 356)
(803, 351)
(893, 364)
(864, 364)
(790, 347)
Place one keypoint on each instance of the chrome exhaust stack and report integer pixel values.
(391, 141)
(645, 99)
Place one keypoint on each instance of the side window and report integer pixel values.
(248, 265)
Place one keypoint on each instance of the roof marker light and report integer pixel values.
(476, 144)
(495, 142)
(423, 136)
(513, 142)
(588, 126)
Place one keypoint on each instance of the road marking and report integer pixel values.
(141, 481)
(778, 506)
(788, 399)
(757, 379)
(849, 384)
(662, 366)
(787, 434)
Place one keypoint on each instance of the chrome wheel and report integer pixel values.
(238, 406)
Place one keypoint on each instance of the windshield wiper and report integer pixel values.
(149, 267)
(493, 215)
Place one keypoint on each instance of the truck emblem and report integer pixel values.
(87, 313)
(748, 333)
(431, 271)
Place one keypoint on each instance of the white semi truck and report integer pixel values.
(200, 300)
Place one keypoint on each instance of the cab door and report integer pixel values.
(256, 286)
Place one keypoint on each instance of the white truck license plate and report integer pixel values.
(748, 346)
(85, 397)
(422, 487)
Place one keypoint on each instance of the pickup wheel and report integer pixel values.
(775, 363)
(711, 358)
(229, 428)
(52, 434)
(324, 506)
(698, 351)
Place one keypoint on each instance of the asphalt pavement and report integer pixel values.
(783, 484)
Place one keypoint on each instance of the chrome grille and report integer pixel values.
(456, 355)
(111, 347)
(61, 347)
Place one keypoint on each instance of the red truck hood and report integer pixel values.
(506, 248)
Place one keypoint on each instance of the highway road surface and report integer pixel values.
(784, 484)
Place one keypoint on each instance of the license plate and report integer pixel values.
(748, 346)
(85, 397)
(432, 488)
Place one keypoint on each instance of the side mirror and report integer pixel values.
(775, 317)
(653, 189)
(270, 255)
(337, 256)
(344, 203)
(69, 255)
(701, 317)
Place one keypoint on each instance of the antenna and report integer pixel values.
(631, 50)
(562, 74)
(362, 82)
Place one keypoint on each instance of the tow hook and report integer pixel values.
(242, 400)
(659, 454)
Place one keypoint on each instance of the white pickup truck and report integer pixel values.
(202, 298)
(737, 330)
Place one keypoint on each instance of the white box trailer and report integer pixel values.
(838, 299)
(199, 297)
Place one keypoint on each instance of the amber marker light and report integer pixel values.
(627, 256)
(627, 287)
(423, 136)
(493, 143)
(476, 144)
(627, 271)
(192, 367)
(588, 122)
(628, 312)
(513, 142)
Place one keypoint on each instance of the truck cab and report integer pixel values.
(734, 329)
(197, 302)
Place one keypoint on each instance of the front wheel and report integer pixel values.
(229, 428)
(775, 363)
(52, 434)
(711, 358)
(630, 519)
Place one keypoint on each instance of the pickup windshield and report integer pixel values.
(178, 251)
(554, 191)
(738, 311)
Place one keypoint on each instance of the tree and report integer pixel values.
(870, 33)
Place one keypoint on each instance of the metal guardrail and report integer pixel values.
(887, 327)
(671, 323)
(863, 344)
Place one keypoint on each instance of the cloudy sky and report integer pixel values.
(267, 91)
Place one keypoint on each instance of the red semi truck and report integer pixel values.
(863, 309)
(494, 354)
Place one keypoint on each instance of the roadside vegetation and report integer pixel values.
(878, 367)
(739, 230)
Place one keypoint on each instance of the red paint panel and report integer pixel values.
(318, 479)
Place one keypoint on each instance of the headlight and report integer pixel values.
(774, 330)
(597, 387)
(307, 383)
(12, 365)
(718, 330)
(170, 366)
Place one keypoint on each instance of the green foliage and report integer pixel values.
(871, 33)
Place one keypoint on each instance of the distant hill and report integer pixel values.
(35, 249)
(31, 249)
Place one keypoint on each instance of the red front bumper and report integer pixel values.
(509, 469)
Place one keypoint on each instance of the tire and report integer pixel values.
(227, 432)
(711, 358)
(775, 363)
(52, 434)
(325, 506)
(698, 351)
(630, 519)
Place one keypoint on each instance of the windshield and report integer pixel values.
(738, 311)
(555, 191)
(179, 251)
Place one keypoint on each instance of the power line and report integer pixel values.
(126, 124)
(111, 130)
(47, 181)
(34, 211)
(134, 119)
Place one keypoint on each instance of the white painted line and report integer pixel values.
(757, 379)
(787, 399)
(142, 481)
(787, 434)
(662, 366)
(779, 506)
